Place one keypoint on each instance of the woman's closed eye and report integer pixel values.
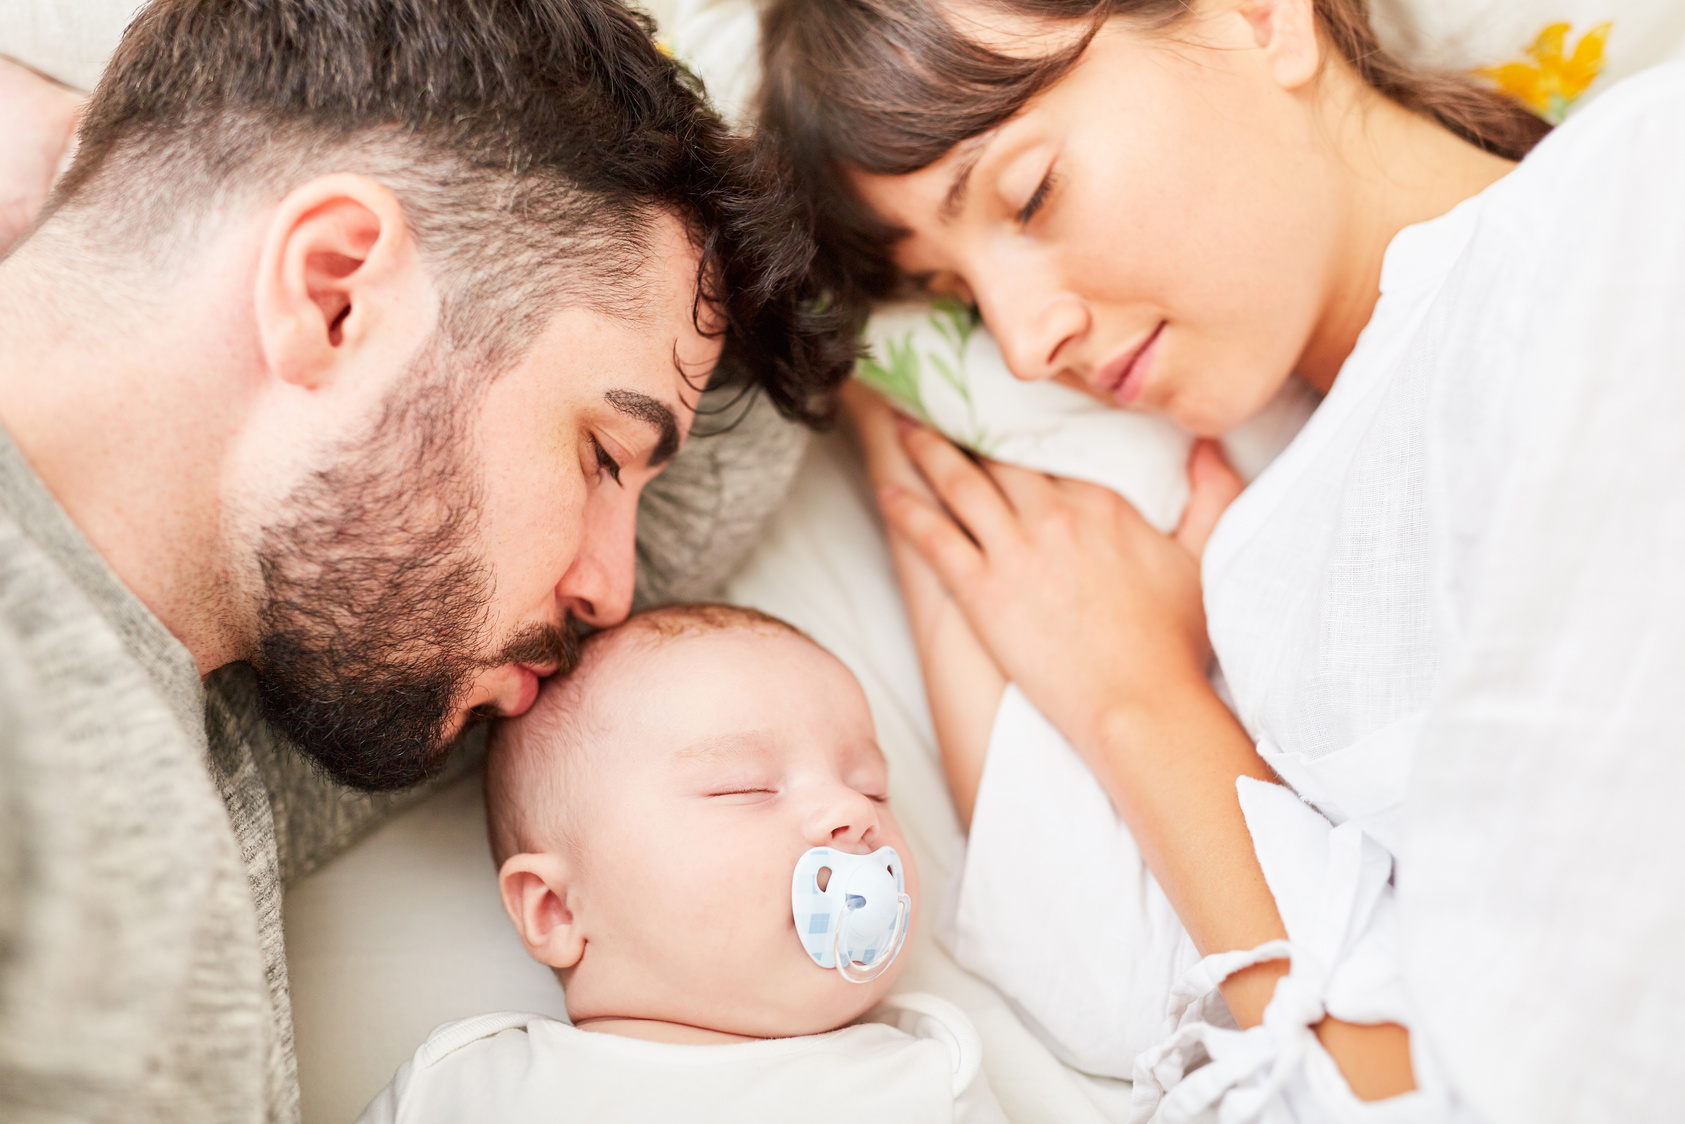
(1037, 199)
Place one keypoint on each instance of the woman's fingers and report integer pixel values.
(1212, 487)
(1029, 492)
(933, 534)
(967, 490)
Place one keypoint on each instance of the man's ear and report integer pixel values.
(337, 255)
(1286, 31)
(539, 896)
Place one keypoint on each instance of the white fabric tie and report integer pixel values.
(1328, 890)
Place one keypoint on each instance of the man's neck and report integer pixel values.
(1399, 169)
(127, 419)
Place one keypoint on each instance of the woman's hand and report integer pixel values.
(962, 683)
(1099, 619)
(38, 121)
(1085, 606)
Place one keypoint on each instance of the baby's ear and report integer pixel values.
(538, 896)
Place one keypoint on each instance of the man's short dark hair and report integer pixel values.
(531, 144)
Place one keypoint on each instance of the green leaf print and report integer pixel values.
(899, 381)
(897, 373)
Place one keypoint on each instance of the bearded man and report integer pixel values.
(340, 354)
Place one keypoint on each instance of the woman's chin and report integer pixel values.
(1217, 412)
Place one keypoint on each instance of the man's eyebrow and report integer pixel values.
(651, 411)
(971, 151)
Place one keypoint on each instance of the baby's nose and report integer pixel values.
(849, 821)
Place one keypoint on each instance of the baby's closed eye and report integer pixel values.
(741, 792)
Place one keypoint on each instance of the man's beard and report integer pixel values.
(375, 618)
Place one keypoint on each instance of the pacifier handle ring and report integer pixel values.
(845, 967)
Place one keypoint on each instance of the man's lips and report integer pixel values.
(526, 694)
(1123, 378)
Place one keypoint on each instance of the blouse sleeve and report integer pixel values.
(1539, 888)
(1530, 938)
(1332, 888)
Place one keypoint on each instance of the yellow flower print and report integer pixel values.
(1550, 84)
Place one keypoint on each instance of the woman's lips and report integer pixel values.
(1123, 378)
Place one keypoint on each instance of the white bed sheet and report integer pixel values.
(405, 931)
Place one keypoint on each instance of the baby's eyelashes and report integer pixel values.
(745, 794)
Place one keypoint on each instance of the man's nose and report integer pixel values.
(1036, 322)
(597, 587)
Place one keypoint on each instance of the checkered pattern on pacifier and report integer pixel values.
(857, 922)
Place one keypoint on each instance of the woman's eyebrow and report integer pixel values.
(970, 152)
(653, 412)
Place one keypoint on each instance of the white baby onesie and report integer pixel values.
(916, 1059)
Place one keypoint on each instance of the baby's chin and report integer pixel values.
(840, 1003)
(819, 1005)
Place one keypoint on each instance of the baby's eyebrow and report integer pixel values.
(724, 747)
(868, 750)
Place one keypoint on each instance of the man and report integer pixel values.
(342, 350)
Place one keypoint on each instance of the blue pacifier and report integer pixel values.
(851, 910)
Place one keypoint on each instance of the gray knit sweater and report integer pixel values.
(133, 948)
(148, 823)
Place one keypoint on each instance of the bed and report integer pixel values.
(405, 930)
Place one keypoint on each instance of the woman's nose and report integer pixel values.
(1038, 326)
(597, 587)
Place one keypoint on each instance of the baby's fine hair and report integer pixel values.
(534, 762)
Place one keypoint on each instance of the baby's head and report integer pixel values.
(648, 812)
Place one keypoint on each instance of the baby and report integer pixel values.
(693, 830)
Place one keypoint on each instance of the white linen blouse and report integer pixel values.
(1451, 613)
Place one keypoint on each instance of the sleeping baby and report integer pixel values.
(693, 830)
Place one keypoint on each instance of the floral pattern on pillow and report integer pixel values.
(1551, 82)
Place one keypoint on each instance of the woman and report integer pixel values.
(1459, 582)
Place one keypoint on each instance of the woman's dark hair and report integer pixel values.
(888, 87)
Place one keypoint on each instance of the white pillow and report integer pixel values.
(401, 933)
(1459, 35)
(937, 363)
(718, 39)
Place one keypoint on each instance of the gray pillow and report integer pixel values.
(701, 517)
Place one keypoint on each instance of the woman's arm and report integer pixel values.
(961, 680)
(1098, 619)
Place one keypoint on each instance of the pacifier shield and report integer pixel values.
(859, 916)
